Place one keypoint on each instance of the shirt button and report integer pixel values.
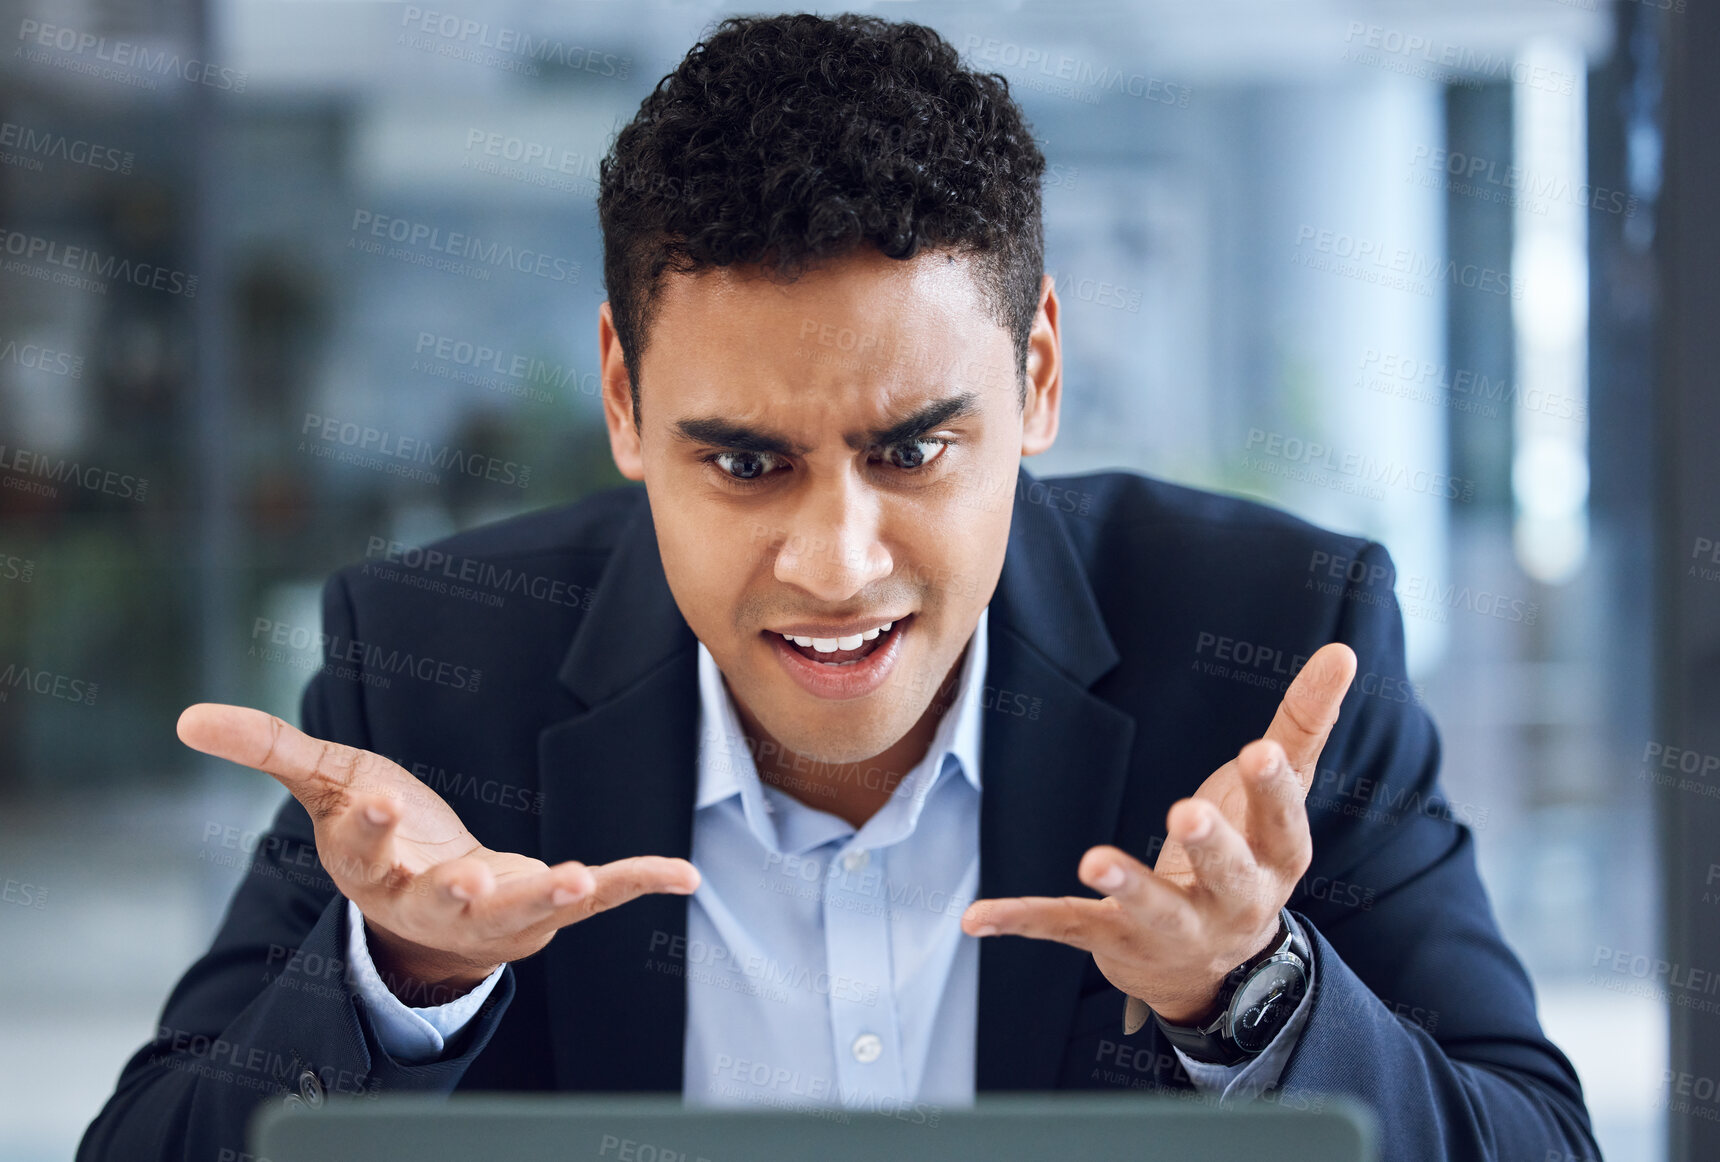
(855, 860)
(310, 1088)
(867, 1048)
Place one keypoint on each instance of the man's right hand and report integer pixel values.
(442, 910)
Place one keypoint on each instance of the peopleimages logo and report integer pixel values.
(1480, 176)
(1704, 559)
(1335, 574)
(39, 358)
(469, 577)
(331, 650)
(35, 472)
(34, 680)
(1085, 80)
(1417, 55)
(1359, 466)
(1461, 389)
(461, 37)
(157, 63)
(25, 249)
(497, 369)
(534, 154)
(367, 447)
(464, 247)
(1397, 267)
(32, 145)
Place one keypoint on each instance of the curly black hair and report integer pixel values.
(787, 140)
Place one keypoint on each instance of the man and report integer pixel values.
(846, 762)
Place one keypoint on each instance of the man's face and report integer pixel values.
(823, 457)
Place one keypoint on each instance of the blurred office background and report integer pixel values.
(1390, 266)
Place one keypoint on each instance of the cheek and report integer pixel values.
(959, 535)
(706, 573)
(955, 561)
(723, 585)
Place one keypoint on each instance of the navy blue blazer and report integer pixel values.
(537, 673)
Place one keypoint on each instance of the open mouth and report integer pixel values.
(842, 668)
(843, 651)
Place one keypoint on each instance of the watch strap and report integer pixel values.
(1212, 1041)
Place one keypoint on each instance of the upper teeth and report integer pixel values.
(829, 645)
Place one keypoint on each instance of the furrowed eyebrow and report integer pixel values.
(934, 414)
(721, 433)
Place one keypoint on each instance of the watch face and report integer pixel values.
(1265, 1001)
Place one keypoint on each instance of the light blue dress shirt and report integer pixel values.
(825, 965)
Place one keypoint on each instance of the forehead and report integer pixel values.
(860, 338)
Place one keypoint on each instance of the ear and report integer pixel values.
(1044, 375)
(617, 398)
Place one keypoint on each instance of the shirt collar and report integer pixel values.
(726, 765)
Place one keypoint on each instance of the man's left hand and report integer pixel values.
(1169, 935)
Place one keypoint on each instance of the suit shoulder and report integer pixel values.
(1106, 502)
(1119, 507)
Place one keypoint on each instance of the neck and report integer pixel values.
(850, 791)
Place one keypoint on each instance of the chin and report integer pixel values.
(835, 744)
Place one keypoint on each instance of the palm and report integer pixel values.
(1167, 936)
(398, 850)
(428, 831)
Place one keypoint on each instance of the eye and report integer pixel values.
(742, 467)
(913, 455)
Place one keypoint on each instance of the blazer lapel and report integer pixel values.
(1052, 781)
(619, 780)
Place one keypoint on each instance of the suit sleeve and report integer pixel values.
(267, 1014)
(1421, 1011)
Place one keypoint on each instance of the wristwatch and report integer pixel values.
(1255, 1000)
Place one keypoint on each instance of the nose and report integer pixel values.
(832, 546)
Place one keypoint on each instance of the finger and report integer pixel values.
(360, 853)
(522, 902)
(1152, 900)
(1224, 867)
(317, 773)
(1276, 816)
(438, 906)
(627, 879)
(1309, 708)
(1097, 926)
